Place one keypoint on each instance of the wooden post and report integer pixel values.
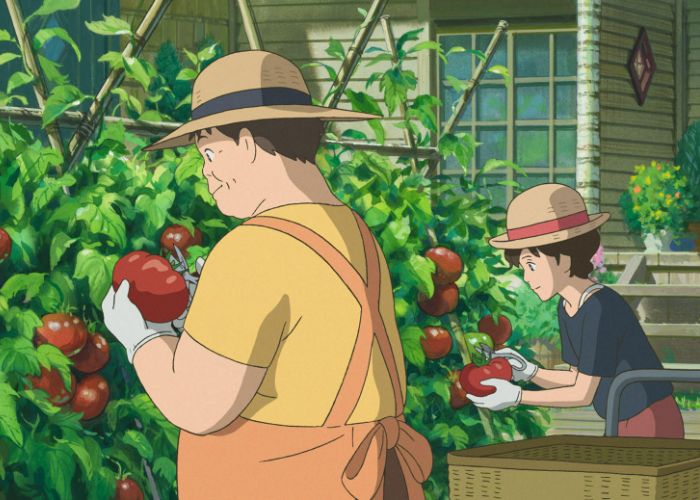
(250, 26)
(588, 104)
(403, 108)
(40, 88)
(355, 52)
(471, 85)
(98, 107)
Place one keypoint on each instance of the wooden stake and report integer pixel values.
(40, 88)
(403, 108)
(355, 52)
(98, 107)
(471, 84)
(250, 26)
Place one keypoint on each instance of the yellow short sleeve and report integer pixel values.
(241, 307)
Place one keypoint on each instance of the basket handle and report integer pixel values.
(620, 382)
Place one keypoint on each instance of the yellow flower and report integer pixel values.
(647, 181)
(635, 209)
(668, 202)
(658, 214)
(676, 168)
(653, 163)
(633, 178)
(661, 195)
(666, 175)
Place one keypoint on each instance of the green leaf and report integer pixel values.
(378, 128)
(57, 464)
(97, 269)
(165, 468)
(6, 37)
(7, 57)
(24, 241)
(129, 99)
(136, 70)
(62, 98)
(493, 164)
(377, 214)
(22, 321)
(76, 446)
(51, 357)
(18, 79)
(186, 74)
(156, 209)
(40, 399)
(109, 26)
(423, 269)
(363, 102)
(18, 355)
(503, 71)
(407, 36)
(9, 426)
(113, 58)
(28, 283)
(191, 56)
(60, 243)
(139, 441)
(412, 349)
(43, 195)
(395, 235)
(50, 6)
(44, 35)
(427, 45)
(103, 484)
(335, 49)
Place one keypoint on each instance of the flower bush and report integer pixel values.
(657, 198)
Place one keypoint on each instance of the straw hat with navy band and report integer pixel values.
(247, 86)
(546, 214)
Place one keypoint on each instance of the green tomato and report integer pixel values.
(474, 340)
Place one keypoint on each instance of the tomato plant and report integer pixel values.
(64, 249)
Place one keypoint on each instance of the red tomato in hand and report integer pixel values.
(91, 396)
(158, 290)
(94, 355)
(52, 382)
(472, 375)
(180, 236)
(65, 331)
(5, 245)
(128, 489)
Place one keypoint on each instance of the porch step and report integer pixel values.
(649, 290)
(671, 329)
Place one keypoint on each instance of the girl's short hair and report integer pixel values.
(581, 249)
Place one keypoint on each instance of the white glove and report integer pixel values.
(506, 395)
(125, 321)
(179, 322)
(523, 370)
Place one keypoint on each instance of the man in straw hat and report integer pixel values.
(288, 380)
(551, 236)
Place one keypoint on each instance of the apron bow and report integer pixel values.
(364, 472)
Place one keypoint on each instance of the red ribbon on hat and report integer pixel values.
(550, 226)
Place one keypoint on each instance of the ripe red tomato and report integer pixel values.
(180, 236)
(458, 398)
(500, 333)
(443, 301)
(436, 343)
(91, 396)
(93, 356)
(472, 375)
(65, 331)
(128, 489)
(158, 290)
(5, 245)
(52, 382)
(448, 265)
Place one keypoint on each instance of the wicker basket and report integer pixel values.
(578, 467)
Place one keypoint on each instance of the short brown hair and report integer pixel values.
(580, 248)
(295, 138)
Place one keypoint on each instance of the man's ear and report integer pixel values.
(247, 144)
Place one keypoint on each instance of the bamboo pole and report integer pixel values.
(471, 85)
(151, 128)
(355, 52)
(403, 108)
(98, 107)
(40, 88)
(251, 27)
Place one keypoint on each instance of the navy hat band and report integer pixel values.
(251, 98)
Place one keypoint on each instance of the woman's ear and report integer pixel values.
(246, 142)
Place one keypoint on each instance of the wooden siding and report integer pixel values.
(631, 134)
(692, 28)
(300, 30)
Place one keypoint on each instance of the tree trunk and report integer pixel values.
(588, 112)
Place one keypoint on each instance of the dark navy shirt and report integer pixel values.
(605, 339)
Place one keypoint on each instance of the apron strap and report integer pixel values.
(371, 322)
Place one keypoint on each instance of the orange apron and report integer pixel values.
(373, 460)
